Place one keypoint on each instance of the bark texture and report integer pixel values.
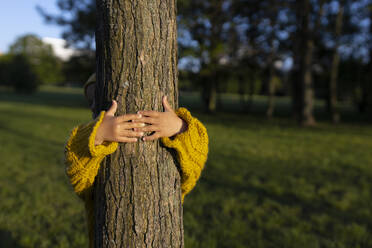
(137, 190)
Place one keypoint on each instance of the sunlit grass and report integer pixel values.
(266, 184)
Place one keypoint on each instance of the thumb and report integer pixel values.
(166, 105)
(113, 108)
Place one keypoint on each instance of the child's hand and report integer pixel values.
(118, 128)
(163, 124)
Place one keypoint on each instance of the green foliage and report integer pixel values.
(45, 64)
(5, 61)
(17, 72)
(79, 67)
(23, 78)
(266, 184)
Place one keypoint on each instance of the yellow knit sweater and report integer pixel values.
(83, 157)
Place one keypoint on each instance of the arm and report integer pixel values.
(83, 157)
(186, 134)
(90, 143)
(192, 150)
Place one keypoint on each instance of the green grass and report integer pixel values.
(266, 184)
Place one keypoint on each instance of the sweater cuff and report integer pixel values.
(82, 141)
(106, 147)
(195, 137)
(191, 145)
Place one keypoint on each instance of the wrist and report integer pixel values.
(183, 127)
(98, 139)
(98, 142)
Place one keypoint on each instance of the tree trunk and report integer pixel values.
(271, 83)
(303, 98)
(137, 193)
(307, 117)
(209, 95)
(271, 97)
(241, 90)
(334, 68)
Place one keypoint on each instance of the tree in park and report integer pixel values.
(137, 190)
(208, 23)
(17, 72)
(332, 88)
(41, 58)
(308, 18)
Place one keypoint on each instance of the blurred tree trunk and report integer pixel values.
(212, 97)
(137, 194)
(209, 95)
(271, 83)
(332, 95)
(303, 92)
(271, 91)
(242, 90)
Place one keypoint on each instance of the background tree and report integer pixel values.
(40, 56)
(137, 190)
(17, 72)
(308, 19)
(332, 95)
(79, 67)
(78, 17)
(205, 30)
(232, 45)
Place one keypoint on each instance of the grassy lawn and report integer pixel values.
(266, 184)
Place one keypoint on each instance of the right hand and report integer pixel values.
(118, 128)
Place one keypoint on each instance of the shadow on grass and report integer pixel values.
(25, 138)
(49, 97)
(282, 111)
(282, 186)
(257, 122)
(7, 241)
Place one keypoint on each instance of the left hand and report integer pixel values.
(163, 124)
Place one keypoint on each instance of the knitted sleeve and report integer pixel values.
(192, 150)
(83, 157)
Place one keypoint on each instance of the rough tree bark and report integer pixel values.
(137, 193)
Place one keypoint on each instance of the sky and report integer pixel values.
(19, 17)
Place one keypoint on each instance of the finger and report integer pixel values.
(132, 134)
(152, 137)
(130, 125)
(149, 128)
(166, 105)
(148, 120)
(111, 111)
(149, 113)
(128, 117)
(126, 140)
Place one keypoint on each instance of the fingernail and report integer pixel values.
(143, 124)
(143, 138)
(141, 133)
